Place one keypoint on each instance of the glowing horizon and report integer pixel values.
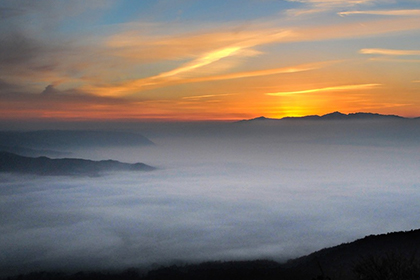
(178, 61)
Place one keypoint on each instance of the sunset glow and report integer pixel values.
(207, 60)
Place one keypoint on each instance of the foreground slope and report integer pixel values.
(340, 261)
(385, 256)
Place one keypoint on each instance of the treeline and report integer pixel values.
(388, 267)
(392, 256)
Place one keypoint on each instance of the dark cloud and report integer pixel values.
(5, 86)
(9, 12)
(16, 102)
(32, 44)
(25, 58)
(49, 90)
(15, 48)
(77, 96)
(50, 95)
(56, 10)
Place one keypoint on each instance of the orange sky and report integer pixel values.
(208, 60)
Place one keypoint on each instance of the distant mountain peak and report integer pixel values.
(260, 118)
(335, 115)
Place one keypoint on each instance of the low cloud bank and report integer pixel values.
(214, 197)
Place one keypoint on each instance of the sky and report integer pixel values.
(184, 60)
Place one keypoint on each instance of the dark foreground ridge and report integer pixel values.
(14, 163)
(376, 257)
(335, 116)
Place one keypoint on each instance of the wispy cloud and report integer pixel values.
(212, 51)
(326, 89)
(319, 6)
(390, 52)
(413, 12)
(204, 60)
(333, 2)
(183, 44)
(387, 59)
(265, 72)
(206, 53)
(198, 97)
(155, 82)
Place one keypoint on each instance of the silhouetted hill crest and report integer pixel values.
(14, 163)
(337, 262)
(334, 116)
(340, 260)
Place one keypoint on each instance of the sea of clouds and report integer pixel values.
(221, 192)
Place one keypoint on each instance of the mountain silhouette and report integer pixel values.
(14, 163)
(375, 257)
(33, 152)
(334, 116)
(339, 262)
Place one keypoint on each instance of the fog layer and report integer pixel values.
(221, 192)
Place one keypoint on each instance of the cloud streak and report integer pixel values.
(327, 89)
(391, 52)
(207, 59)
(265, 72)
(198, 97)
(155, 82)
(320, 6)
(215, 48)
(413, 12)
(333, 3)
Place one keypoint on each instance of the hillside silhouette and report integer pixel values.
(375, 257)
(14, 163)
(334, 116)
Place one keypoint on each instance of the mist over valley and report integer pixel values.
(263, 189)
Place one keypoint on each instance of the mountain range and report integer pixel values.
(335, 116)
(14, 163)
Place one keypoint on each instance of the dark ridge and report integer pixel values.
(46, 139)
(337, 116)
(310, 117)
(22, 151)
(339, 262)
(362, 115)
(262, 118)
(45, 166)
(375, 257)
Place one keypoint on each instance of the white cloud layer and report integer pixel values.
(232, 193)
